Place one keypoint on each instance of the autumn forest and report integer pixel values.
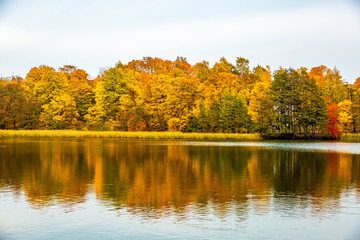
(161, 95)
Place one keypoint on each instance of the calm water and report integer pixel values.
(108, 188)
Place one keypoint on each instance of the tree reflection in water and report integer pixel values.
(156, 178)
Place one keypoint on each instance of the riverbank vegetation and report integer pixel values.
(350, 137)
(130, 135)
(156, 95)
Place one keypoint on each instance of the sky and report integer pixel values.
(94, 34)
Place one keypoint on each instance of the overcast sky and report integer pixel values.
(93, 34)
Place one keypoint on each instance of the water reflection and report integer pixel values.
(155, 179)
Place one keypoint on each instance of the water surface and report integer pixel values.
(110, 188)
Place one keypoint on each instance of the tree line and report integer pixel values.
(153, 94)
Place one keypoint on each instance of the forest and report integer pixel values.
(153, 94)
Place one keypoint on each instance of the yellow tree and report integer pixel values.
(182, 96)
(330, 83)
(202, 71)
(41, 85)
(259, 99)
(155, 101)
(356, 104)
(60, 112)
(80, 88)
(13, 105)
(97, 113)
(260, 107)
(132, 114)
(44, 83)
(345, 116)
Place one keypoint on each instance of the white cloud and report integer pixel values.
(13, 37)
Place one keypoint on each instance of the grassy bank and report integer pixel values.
(131, 135)
(350, 137)
(143, 135)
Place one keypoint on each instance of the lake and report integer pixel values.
(152, 189)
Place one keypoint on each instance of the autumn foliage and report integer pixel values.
(153, 94)
(332, 121)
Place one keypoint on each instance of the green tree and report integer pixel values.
(284, 90)
(312, 109)
(233, 116)
(108, 92)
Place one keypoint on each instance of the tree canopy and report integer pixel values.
(153, 94)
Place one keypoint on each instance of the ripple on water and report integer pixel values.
(326, 146)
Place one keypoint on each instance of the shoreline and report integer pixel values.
(126, 135)
(151, 135)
